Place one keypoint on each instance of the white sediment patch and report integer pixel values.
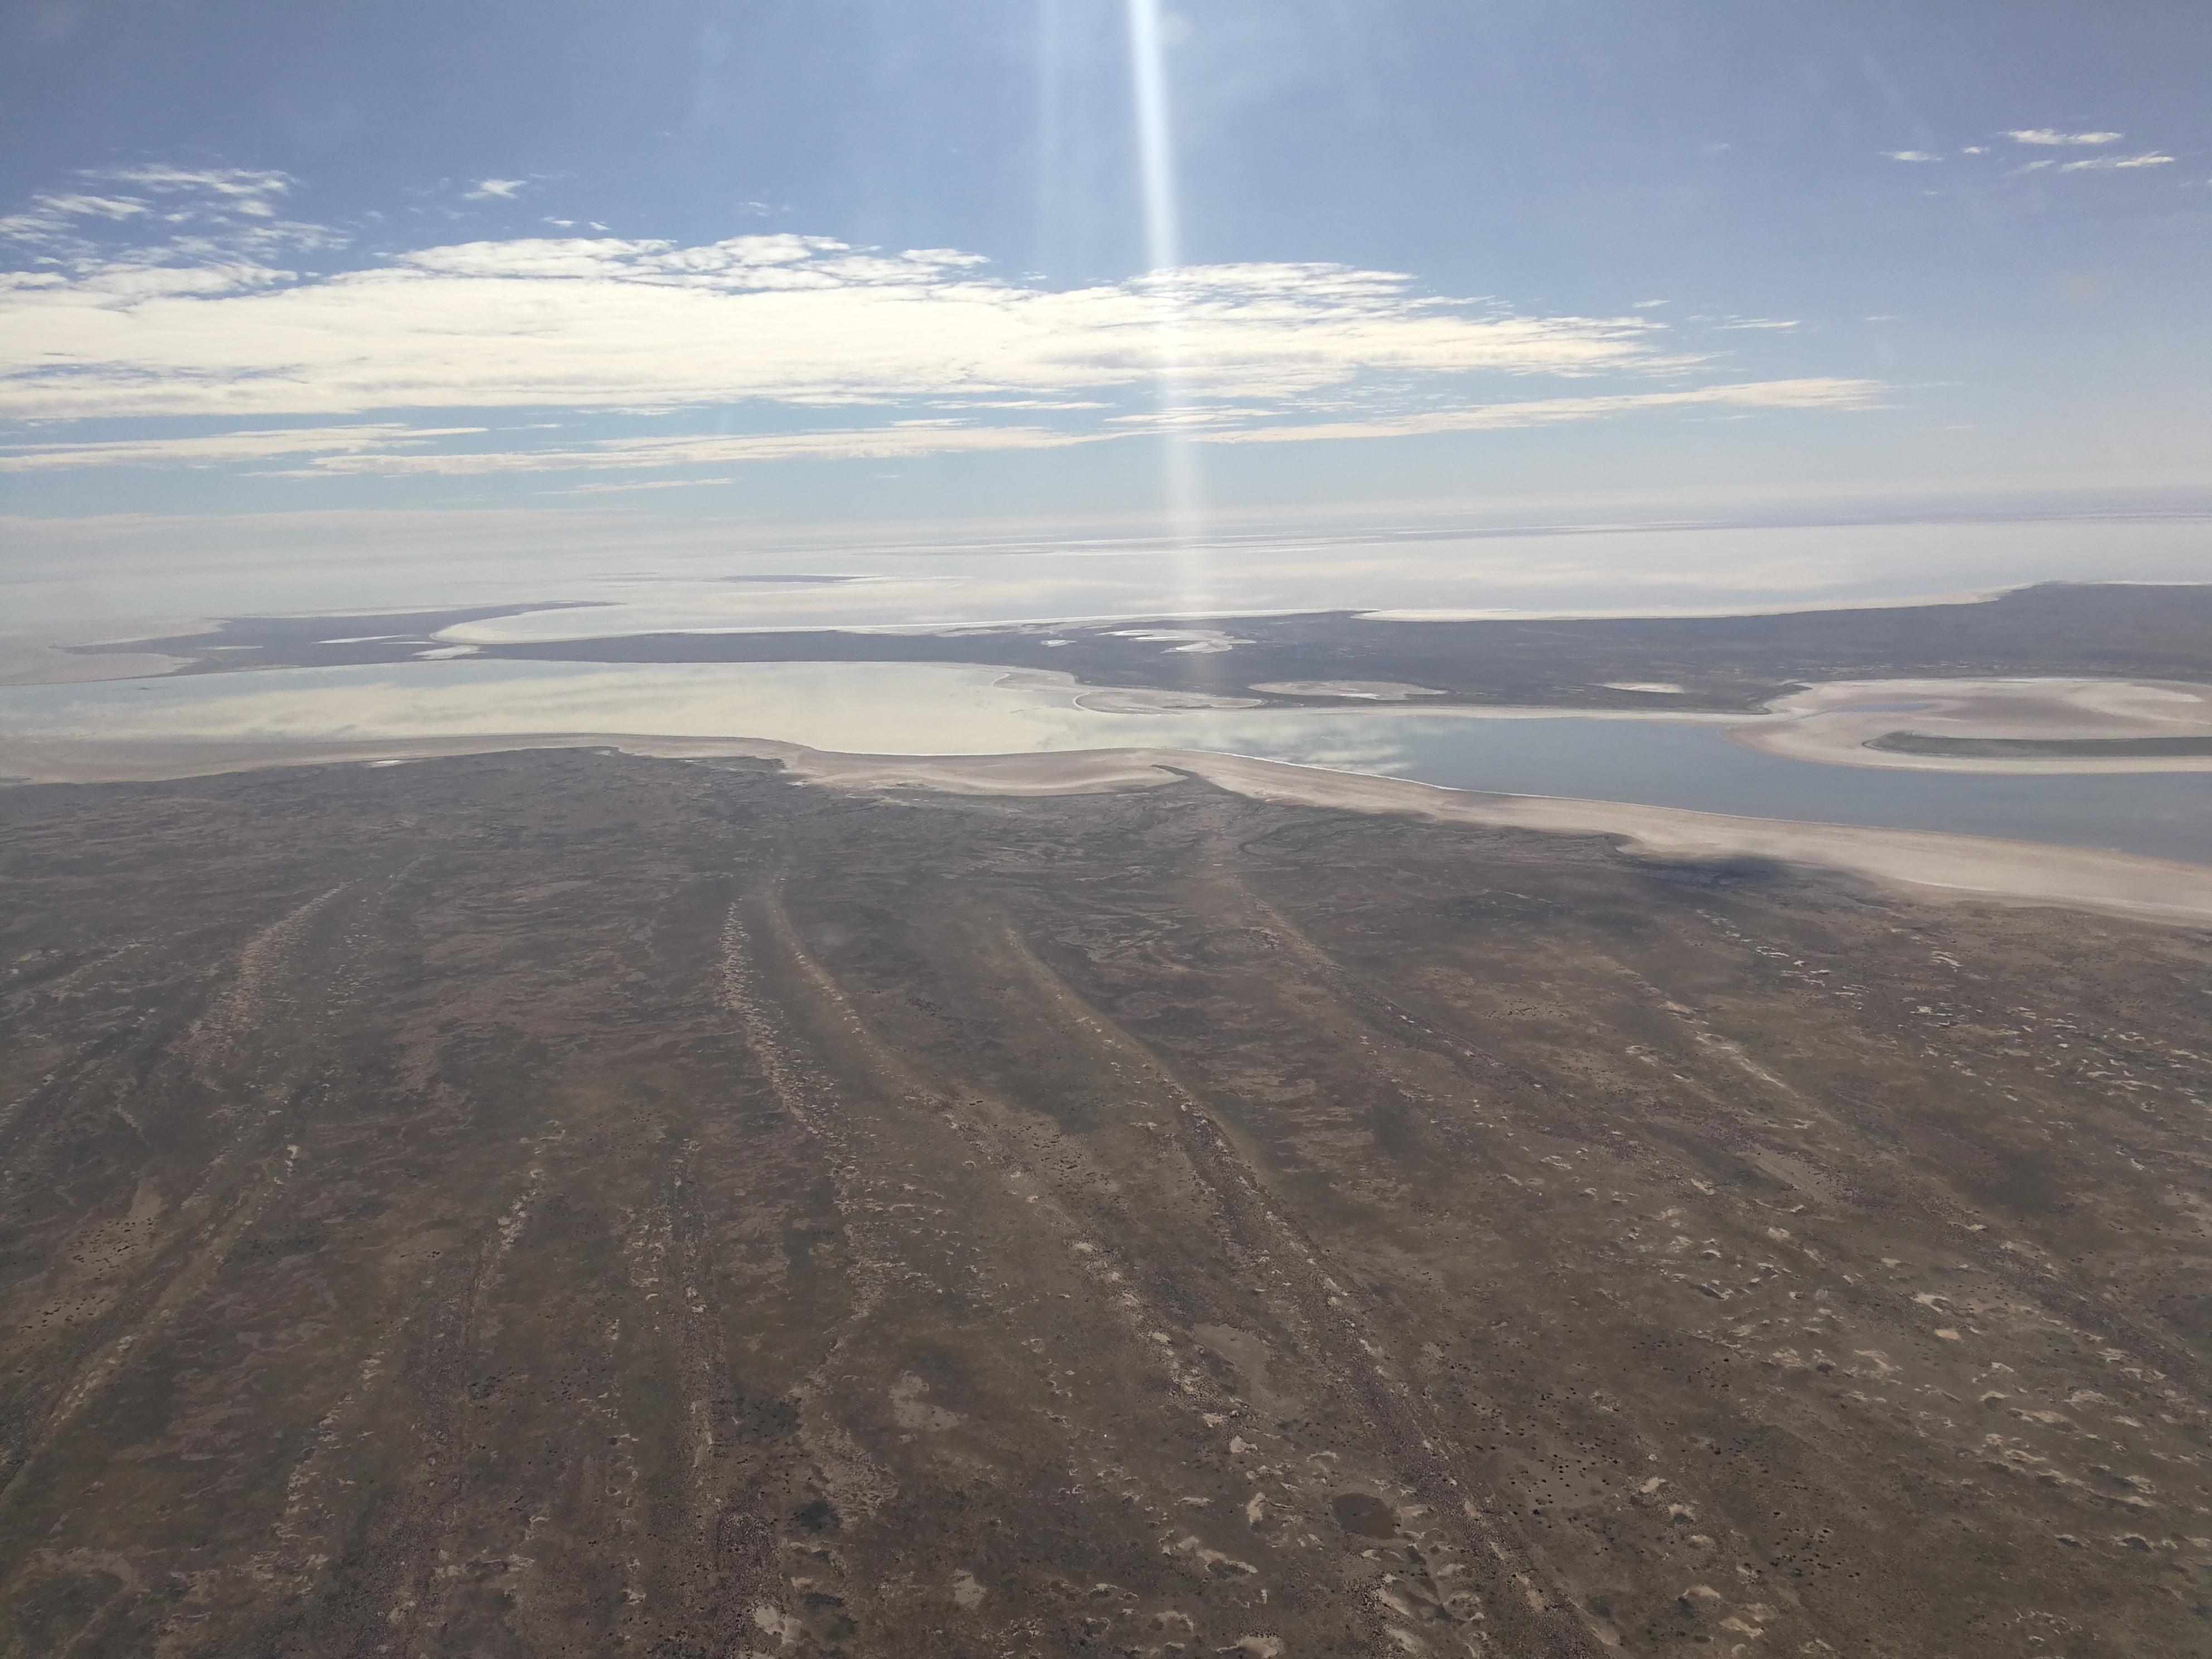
(1202, 641)
(1834, 722)
(46, 659)
(1137, 701)
(1367, 690)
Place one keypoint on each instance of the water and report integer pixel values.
(934, 708)
(2162, 814)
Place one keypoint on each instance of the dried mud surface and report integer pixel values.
(566, 1203)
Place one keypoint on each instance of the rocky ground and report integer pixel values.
(566, 1204)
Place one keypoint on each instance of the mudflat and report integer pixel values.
(1669, 664)
(565, 1202)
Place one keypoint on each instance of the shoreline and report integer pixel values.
(1833, 721)
(1924, 864)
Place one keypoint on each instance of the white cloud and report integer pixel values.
(900, 441)
(643, 483)
(238, 189)
(1813, 393)
(394, 450)
(105, 207)
(637, 324)
(2053, 136)
(909, 440)
(1910, 155)
(52, 220)
(921, 352)
(222, 447)
(2119, 163)
(494, 190)
(209, 214)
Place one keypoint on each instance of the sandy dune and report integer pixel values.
(1834, 722)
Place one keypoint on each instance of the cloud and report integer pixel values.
(637, 324)
(394, 450)
(911, 440)
(1910, 155)
(643, 483)
(899, 440)
(203, 214)
(222, 447)
(1798, 394)
(2119, 163)
(52, 219)
(788, 346)
(494, 190)
(2053, 136)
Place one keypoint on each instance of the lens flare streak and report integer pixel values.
(1162, 236)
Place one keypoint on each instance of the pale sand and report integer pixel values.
(1137, 701)
(1371, 691)
(27, 661)
(1827, 723)
(1926, 865)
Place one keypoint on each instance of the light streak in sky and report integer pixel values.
(1164, 250)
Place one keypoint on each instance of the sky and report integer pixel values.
(343, 281)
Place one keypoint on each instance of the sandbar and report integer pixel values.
(1368, 690)
(1834, 722)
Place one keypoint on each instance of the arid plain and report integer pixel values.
(568, 1202)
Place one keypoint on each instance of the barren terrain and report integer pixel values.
(565, 1202)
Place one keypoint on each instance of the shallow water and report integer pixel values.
(910, 708)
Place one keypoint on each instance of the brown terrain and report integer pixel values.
(564, 1203)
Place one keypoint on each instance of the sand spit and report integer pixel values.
(28, 660)
(1834, 722)
(1931, 864)
(1366, 690)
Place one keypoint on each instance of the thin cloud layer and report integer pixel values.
(223, 449)
(2053, 136)
(2119, 163)
(1811, 393)
(840, 351)
(636, 326)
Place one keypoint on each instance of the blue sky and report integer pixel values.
(775, 264)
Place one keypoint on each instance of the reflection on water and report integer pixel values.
(927, 708)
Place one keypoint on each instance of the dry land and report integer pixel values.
(566, 1203)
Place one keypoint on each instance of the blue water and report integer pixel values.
(2163, 814)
